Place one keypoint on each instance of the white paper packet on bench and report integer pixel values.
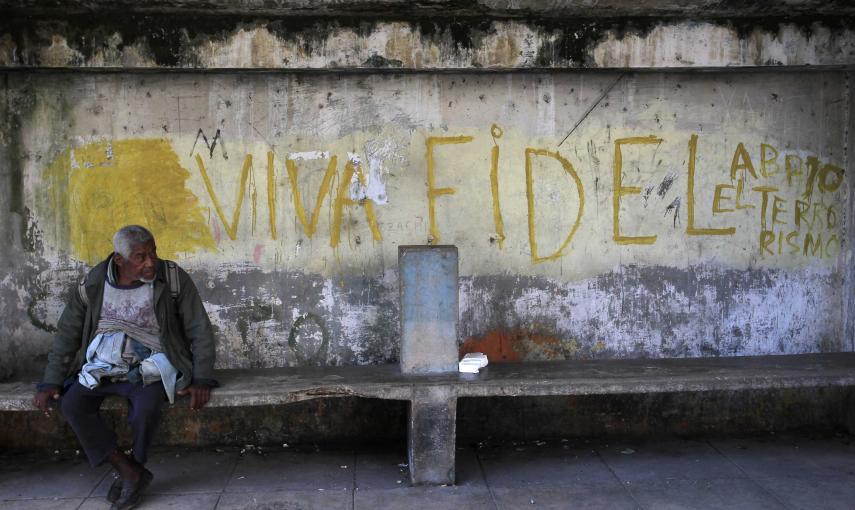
(472, 362)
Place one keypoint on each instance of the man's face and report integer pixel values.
(141, 264)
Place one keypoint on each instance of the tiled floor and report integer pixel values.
(773, 472)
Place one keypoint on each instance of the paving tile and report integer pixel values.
(289, 470)
(162, 502)
(760, 458)
(378, 469)
(434, 498)
(811, 494)
(672, 459)
(712, 494)
(832, 457)
(26, 477)
(389, 469)
(790, 457)
(564, 498)
(287, 500)
(183, 470)
(467, 469)
(41, 504)
(547, 464)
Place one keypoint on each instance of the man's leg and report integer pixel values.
(146, 403)
(80, 407)
(144, 411)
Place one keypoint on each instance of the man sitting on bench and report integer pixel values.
(134, 327)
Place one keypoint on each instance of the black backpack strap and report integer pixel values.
(172, 279)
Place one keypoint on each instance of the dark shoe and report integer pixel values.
(115, 489)
(131, 492)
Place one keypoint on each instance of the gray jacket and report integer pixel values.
(187, 337)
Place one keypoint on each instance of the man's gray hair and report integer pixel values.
(129, 236)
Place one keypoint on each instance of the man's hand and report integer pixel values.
(199, 395)
(44, 397)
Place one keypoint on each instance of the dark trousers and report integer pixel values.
(80, 406)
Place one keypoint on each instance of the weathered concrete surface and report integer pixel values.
(429, 308)
(286, 198)
(104, 40)
(583, 377)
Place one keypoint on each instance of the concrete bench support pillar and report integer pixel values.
(431, 436)
(429, 309)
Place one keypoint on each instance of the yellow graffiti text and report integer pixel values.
(621, 191)
(433, 192)
(529, 181)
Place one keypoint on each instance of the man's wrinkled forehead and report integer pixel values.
(145, 247)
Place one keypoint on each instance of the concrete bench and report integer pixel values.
(434, 397)
(428, 379)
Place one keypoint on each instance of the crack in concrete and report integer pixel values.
(597, 102)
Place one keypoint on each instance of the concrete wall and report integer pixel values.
(598, 212)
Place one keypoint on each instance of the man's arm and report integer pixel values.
(66, 344)
(200, 334)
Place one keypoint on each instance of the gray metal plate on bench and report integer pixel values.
(272, 386)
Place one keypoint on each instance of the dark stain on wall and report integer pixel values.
(15, 105)
(379, 62)
(304, 328)
(572, 40)
(665, 185)
(12, 136)
(808, 25)
(39, 294)
(461, 33)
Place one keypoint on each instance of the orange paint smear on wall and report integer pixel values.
(512, 345)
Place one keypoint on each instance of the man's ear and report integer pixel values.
(118, 260)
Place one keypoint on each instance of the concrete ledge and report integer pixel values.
(277, 386)
(555, 8)
(101, 41)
